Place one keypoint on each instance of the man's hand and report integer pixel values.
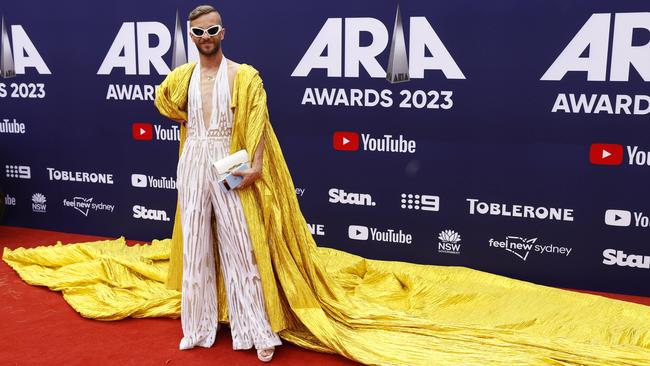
(250, 175)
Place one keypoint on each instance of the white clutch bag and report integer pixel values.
(231, 163)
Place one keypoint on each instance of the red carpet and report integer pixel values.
(37, 327)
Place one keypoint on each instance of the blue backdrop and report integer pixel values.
(518, 146)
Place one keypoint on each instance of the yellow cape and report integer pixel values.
(375, 312)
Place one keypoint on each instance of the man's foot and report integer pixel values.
(265, 355)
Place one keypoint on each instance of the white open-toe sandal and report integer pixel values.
(265, 358)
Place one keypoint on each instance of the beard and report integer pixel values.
(210, 52)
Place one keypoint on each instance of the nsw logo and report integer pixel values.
(39, 203)
(449, 242)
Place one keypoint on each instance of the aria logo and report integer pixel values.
(596, 40)
(38, 203)
(122, 53)
(422, 37)
(449, 242)
(14, 60)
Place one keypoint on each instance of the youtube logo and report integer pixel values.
(358, 232)
(142, 131)
(618, 217)
(606, 154)
(139, 180)
(346, 141)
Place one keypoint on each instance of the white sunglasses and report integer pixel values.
(212, 30)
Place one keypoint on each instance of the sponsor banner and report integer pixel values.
(18, 171)
(404, 117)
(624, 218)
(11, 126)
(613, 257)
(522, 247)
(143, 213)
(449, 242)
(362, 233)
(317, 229)
(478, 207)
(349, 141)
(80, 177)
(19, 56)
(145, 131)
(39, 203)
(86, 205)
(10, 201)
(150, 181)
(614, 154)
(420, 202)
(340, 196)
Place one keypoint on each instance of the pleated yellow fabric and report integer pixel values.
(103, 280)
(375, 312)
(417, 315)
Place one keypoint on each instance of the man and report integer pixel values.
(209, 124)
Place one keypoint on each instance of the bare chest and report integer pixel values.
(207, 95)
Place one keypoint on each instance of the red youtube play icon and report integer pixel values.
(346, 141)
(142, 131)
(606, 154)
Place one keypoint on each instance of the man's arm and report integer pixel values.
(255, 172)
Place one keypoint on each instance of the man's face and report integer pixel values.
(207, 45)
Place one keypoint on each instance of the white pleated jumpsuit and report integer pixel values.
(200, 197)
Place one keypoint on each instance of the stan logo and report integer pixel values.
(449, 242)
(38, 203)
(22, 54)
(619, 258)
(348, 198)
(141, 212)
(422, 38)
